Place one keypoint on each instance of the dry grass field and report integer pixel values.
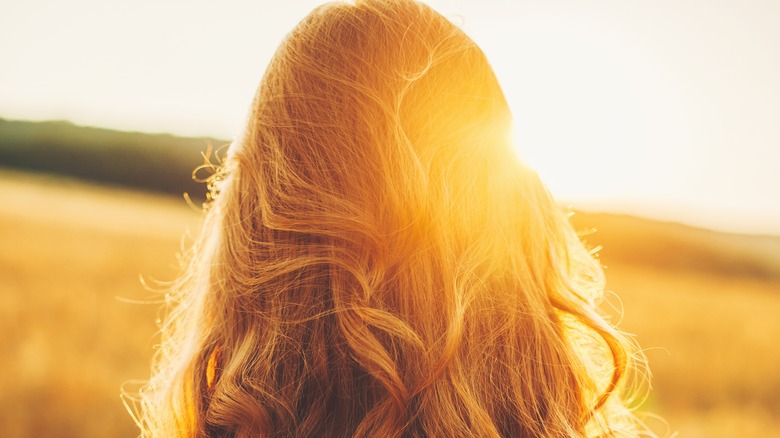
(705, 306)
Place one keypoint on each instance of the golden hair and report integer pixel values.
(377, 262)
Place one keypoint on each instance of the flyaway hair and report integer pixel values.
(376, 261)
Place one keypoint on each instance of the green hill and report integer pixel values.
(150, 162)
(164, 163)
(634, 240)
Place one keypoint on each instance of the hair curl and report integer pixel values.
(377, 262)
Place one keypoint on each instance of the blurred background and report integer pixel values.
(657, 121)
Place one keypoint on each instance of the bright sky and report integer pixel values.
(666, 108)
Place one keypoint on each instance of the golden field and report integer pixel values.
(705, 307)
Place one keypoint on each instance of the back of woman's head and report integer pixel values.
(376, 261)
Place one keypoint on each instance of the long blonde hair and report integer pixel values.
(377, 262)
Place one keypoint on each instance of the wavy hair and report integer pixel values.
(376, 261)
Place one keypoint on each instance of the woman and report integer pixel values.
(376, 262)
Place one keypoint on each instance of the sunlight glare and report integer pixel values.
(585, 113)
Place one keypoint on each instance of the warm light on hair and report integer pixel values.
(377, 262)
